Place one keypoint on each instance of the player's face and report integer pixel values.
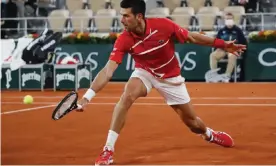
(129, 20)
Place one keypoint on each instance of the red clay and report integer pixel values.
(152, 135)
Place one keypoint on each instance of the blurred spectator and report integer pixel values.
(32, 4)
(249, 5)
(21, 10)
(30, 11)
(9, 26)
(3, 6)
(229, 33)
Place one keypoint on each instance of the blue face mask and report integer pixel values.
(4, 1)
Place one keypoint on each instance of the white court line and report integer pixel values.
(27, 109)
(153, 98)
(149, 104)
(143, 104)
(203, 83)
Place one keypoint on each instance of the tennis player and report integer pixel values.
(150, 41)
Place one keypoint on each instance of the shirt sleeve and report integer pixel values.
(181, 34)
(119, 50)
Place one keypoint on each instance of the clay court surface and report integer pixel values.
(153, 133)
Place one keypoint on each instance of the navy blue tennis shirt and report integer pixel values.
(229, 34)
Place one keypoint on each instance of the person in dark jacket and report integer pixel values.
(9, 26)
(249, 5)
(228, 33)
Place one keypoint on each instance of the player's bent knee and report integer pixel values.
(129, 97)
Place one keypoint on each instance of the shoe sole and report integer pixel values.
(110, 162)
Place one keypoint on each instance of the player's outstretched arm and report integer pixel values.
(228, 46)
(99, 82)
(183, 35)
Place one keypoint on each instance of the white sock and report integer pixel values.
(209, 133)
(111, 140)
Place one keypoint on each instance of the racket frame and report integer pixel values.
(71, 108)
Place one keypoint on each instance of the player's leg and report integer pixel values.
(178, 98)
(133, 90)
(191, 120)
(137, 86)
(197, 126)
(215, 57)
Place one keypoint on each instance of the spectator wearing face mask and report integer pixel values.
(229, 32)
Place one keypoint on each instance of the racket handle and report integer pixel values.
(79, 106)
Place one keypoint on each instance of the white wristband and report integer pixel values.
(89, 94)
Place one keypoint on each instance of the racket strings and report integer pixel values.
(66, 105)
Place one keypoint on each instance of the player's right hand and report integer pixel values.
(233, 48)
(82, 102)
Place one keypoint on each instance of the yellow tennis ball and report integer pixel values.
(28, 99)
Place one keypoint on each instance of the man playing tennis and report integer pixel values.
(150, 42)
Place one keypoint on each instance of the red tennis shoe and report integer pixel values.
(221, 138)
(105, 158)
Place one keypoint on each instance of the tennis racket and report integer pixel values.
(66, 105)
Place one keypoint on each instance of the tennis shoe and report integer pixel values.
(105, 158)
(221, 138)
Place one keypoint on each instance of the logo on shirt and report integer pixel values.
(161, 41)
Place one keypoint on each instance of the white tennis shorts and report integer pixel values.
(173, 94)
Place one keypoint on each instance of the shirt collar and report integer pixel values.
(148, 30)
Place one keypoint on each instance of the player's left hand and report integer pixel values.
(233, 48)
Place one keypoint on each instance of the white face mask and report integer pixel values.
(229, 22)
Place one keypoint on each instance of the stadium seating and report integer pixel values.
(104, 20)
(206, 17)
(96, 4)
(82, 20)
(183, 16)
(221, 4)
(99, 17)
(73, 5)
(58, 19)
(159, 12)
(116, 5)
(172, 4)
(196, 4)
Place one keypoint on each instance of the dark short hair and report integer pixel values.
(229, 14)
(137, 6)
